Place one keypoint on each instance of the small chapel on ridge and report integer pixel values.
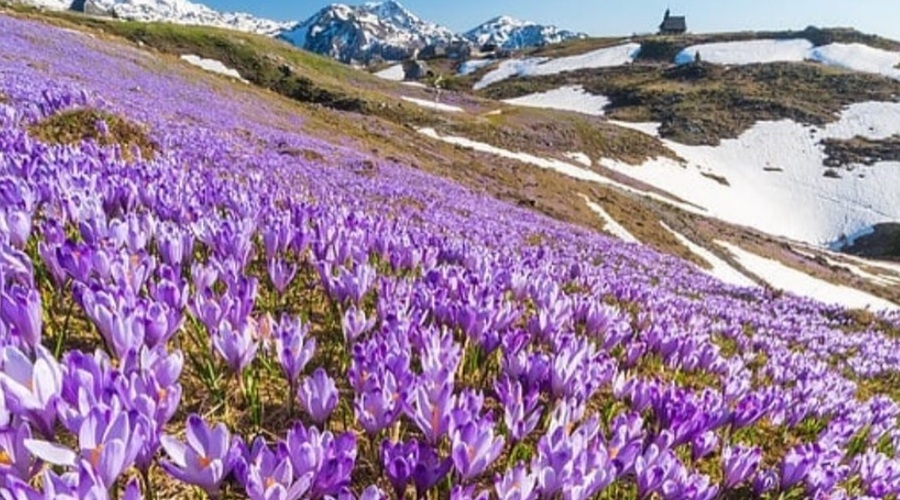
(673, 25)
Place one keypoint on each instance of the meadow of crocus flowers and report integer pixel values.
(245, 311)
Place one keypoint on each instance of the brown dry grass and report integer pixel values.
(73, 126)
(704, 103)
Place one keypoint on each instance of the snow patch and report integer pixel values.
(537, 66)
(568, 98)
(394, 73)
(213, 66)
(853, 56)
(776, 178)
(796, 282)
(610, 225)
(649, 128)
(433, 105)
(473, 65)
(859, 57)
(747, 52)
(852, 269)
(579, 157)
(720, 268)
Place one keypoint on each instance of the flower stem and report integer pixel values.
(148, 492)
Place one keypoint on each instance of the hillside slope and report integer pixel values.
(207, 289)
(762, 127)
(383, 116)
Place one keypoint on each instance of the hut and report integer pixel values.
(673, 25)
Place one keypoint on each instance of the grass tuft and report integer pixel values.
(74, 126)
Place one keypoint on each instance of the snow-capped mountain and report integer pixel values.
(509, 33)
(361, 33)
(172, 11)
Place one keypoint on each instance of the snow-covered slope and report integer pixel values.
(568, 98)
(748, 52)
(49, 4)
(535, 66)
(509, 33)
(855, 56)
(719, 267)
(859, 57)
(393, 73)
(360, 33)
(775, 177)
(797, 282)
(213, 66)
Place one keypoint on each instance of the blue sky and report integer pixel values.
(622, 17)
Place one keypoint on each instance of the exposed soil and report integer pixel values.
(861, 151)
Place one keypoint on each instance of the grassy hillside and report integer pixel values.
(353, 108)
(704, 103)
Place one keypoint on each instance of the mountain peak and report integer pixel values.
(511, 33)
(173, 11)
(507, 21)
(362, 33)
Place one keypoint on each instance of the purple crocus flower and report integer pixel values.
(149, 385)
(399, 461)
(294, 347)
(372, 493)
(703, 445)
(328, 457)
(653, 469)
(739, 464)
(430, 470)
(794, 468)
(430, 409)
(15, 459)
(516, 484)
(119, 327)
(32, 388)
(205, 459)
(236, 345)
(521, 412)
(80, 484)
(175, 244)
(750, 409)
(318, 395)
(281, 273)
(378, 407)
(109, 441)
(474, 448)
(765, 481)
(354, 324)
(21, 308)
(269, 475)
(19, 223)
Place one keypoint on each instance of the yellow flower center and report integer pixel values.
(204, 462)
(5, 458)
